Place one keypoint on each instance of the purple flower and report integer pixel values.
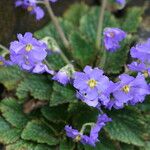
(30, 6)
(41, 68)
(4, 62)
(64, 75)
(141, 51)
(140, 67)
(112, 37)
(122, 3)
(93, 137)
(129, 90)
(91, 85)
(101, 122)
(76, 135)
(61, 77)
(27, 52)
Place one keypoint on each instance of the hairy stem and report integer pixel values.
(85, 125)
(3, 47)
(100, 24)
(56, 23)
(63, 56)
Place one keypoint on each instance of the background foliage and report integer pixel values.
(34, 109)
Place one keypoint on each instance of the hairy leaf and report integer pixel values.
(38, 86)
(12, 112)
(56, 113)
(8, 134)
(126, 126)
(10, 77)
(74, 13)
(38, 132)
(62, 94)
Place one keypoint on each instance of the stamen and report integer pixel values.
(146, 74)
(78, 138)
(28, 47)
(126, 89)
(92, 83)
(1, 63)
(30, 8)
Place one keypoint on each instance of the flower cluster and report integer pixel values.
(95, 89)
(95, 129)
(29, 53)
(141, 52)
(92, 86)
(32, 7)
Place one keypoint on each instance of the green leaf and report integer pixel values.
(115, 61)
(7, 133)
(38, 86)
(89, 23)
(66, 145)
(10, 76)
(21, 145)
(127, 126)
(55, 114)
(132, 20)
(50, 31)
(38, 132)
(81, 113)
(103, 144)
(12, 112)
(62, 94)
(74, 13)
(25, 145)
(55, 61)
(82, 50)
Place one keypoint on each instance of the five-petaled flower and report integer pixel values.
(129, 90)
(29, 53)
(91, 85)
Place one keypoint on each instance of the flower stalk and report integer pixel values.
(100, 24)
(56, 23)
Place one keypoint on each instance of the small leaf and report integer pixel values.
(62, 94)
(38, 132)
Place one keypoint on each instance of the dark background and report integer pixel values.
(17, 20)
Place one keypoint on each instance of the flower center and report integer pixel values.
(146, 74)
(126, 89)
(28, 47)
(30, 8)
(78, 138)
(1, 63)
(92, 83)
(112, 34)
